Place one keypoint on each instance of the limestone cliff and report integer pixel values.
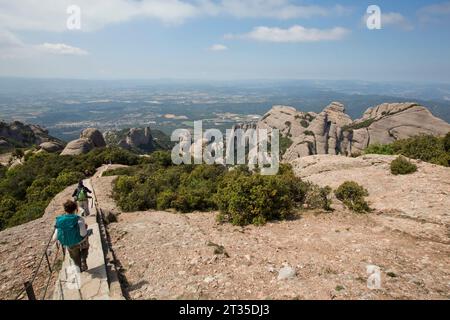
(333, 132)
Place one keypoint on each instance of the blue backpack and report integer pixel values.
(68, 230)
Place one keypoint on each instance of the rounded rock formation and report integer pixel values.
(77, 147)
(94, 136)
(51, 146)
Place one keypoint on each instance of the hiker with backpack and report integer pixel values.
(71, 232)
(81, 196)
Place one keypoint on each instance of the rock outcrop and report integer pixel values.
(94, 136)
(422, 197)
(18, 134)
(138, 139)
(77, 147)
(51, 146)
(89, 139)
(333, 132)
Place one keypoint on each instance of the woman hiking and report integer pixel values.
(81, 196)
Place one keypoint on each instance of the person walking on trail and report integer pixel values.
(71, 232)
(81, 195)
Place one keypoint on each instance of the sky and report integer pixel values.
(225, 40)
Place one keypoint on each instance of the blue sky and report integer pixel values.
(226, 40)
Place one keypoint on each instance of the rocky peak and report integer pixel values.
(138, 139)
(18, 134)
(89, 139)
(333, 132)
(94, 136)
(335, 107)
(336, 114)
(387, 109)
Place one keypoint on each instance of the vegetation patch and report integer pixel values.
(27, 189)
(352, 195)
(384, 149)
(401, 166)
(242, 196)
(427, 148)
(285, 143)
(360, 125)
(304, 123)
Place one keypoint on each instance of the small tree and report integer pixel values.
(352, 195)
(401, 165)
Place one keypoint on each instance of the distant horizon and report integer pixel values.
(219, 80)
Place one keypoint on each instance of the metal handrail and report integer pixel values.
(28, 285)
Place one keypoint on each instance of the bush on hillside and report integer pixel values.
(352, 195)
(427, 148)
(447, 143)
(3, 170)
(43, 175)
(285, 143)
(242, 196)
(318, 198)
(254, 199)
(401, 165)
(424, 147)
(384, 149)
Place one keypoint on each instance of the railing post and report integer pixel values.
(48, 262)
(29, 290)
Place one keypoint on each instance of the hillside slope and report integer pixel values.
(190, 256)
(19, 135)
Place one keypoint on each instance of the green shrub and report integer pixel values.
(35, 183)
(427, 148)
(352, 195)
(401, 165)
(447, 143)
(304, 123)
(285, 143)
(318, 198)
(126, 171)
(164, 199)
(355, 126)
(8, 207)
(424, 147)
(69, 178)
(385, 149)
(254, 199)
(3, 170)
(161, 158)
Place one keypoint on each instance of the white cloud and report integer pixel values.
(62, 49)
(392, 19)
(10, 45)
(50, 15)
(293, 34)
(435, 13)
(396, 19)
(218, 47)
